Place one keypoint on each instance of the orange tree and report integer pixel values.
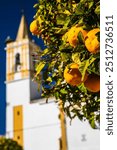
(70, 63)
(9, 144)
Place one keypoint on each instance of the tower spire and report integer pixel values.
(23, 29)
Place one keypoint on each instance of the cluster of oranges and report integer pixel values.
(72, 74)
(90, 39)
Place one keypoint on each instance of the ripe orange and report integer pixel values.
(73, 35)
(92, 83)
(91, 41)
(72, 75)
(34, 27)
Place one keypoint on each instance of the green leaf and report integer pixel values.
(57, 95)
(60, 30)
(63, 91)
(65, 57)
(40, 67)
(91, 4)
(59, 81)
(49, 79)
(92, 122)
(80, 22)
(82, 88)
(79, 9)
(84, 65)
(60, 19)
(67, 21)
(97, 10)
(75, 58)
(45, 51)
(36, 5)
(80, 37)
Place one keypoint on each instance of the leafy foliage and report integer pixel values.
(9, 144)
(55, 19)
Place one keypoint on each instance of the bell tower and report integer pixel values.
(20, 61)
(18, 54)
(20, 88)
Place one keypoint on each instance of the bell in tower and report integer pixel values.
(17, 62)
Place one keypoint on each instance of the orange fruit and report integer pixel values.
(34, 27)
(91, 41)
(72, 75)
(92, 83)
(73, 35)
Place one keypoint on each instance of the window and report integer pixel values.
(18, 113)
(17, 61)
(18, 137)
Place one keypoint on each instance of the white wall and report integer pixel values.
(18, 92)
(35, 92)
(75, 132)
(41, 124)
(9, 122)
(41, 127)
(42, 130)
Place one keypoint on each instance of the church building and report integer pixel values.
(33, 123)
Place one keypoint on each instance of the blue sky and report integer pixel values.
(10, 15)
